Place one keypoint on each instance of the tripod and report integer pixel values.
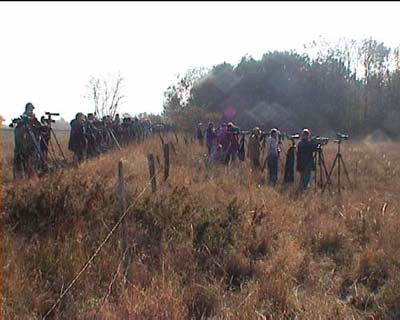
(51, 132)
(320, 169)
(338, 160)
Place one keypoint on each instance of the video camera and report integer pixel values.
(342, 136)
(15, 122)
(293, 136)
(49, 120)
(320, 140)
(51, 114)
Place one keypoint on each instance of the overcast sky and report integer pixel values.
(49, 51)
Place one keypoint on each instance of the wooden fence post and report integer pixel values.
(166, 161)
(152, 171)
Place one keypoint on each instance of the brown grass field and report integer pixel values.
(209, 244)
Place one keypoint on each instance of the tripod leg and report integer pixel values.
(58, 144)
(35, 142)
(339, 173)
(316, 173)
(321, 176)
(330, 173)
(328, 181)
(346, 172)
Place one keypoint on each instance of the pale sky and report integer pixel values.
(49, 51)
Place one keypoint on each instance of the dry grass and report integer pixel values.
(211, 243)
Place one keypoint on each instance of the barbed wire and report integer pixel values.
(97, 251)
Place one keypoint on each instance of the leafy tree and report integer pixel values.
(348, 85)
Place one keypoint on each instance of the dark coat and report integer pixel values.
(305, 159)
(77, 139)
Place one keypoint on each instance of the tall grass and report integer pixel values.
(211, 243)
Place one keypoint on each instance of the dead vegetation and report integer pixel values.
(211, 243)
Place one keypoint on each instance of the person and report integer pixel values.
(254, 149)
(305, 159)
(93, 136)
(199, 134)
(26, 142)
(78, 137)
(273, 151)
(211, 137)
(233, 142)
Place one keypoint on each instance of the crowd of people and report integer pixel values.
(226, 144)
(91, 136)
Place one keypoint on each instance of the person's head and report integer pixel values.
(42, 119)
(210, 125)
(200, 124)
(117, 116)
(29, 108)
(305, 134)
(273, 133)
(80, 117)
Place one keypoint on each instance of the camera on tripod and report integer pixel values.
(293, 136)
(320, 140)
(49, 120)
(342, 136)
(15, 122)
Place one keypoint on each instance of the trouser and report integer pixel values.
(231, 155)
(210, 148)
(305, 177)
(273, 170)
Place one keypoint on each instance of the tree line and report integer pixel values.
(351, 86)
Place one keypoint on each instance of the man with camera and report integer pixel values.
(305, 159)
(26, 134)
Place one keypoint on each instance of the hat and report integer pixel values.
(230, 124)
(273, 131)
(305, 131)
(29, 105)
